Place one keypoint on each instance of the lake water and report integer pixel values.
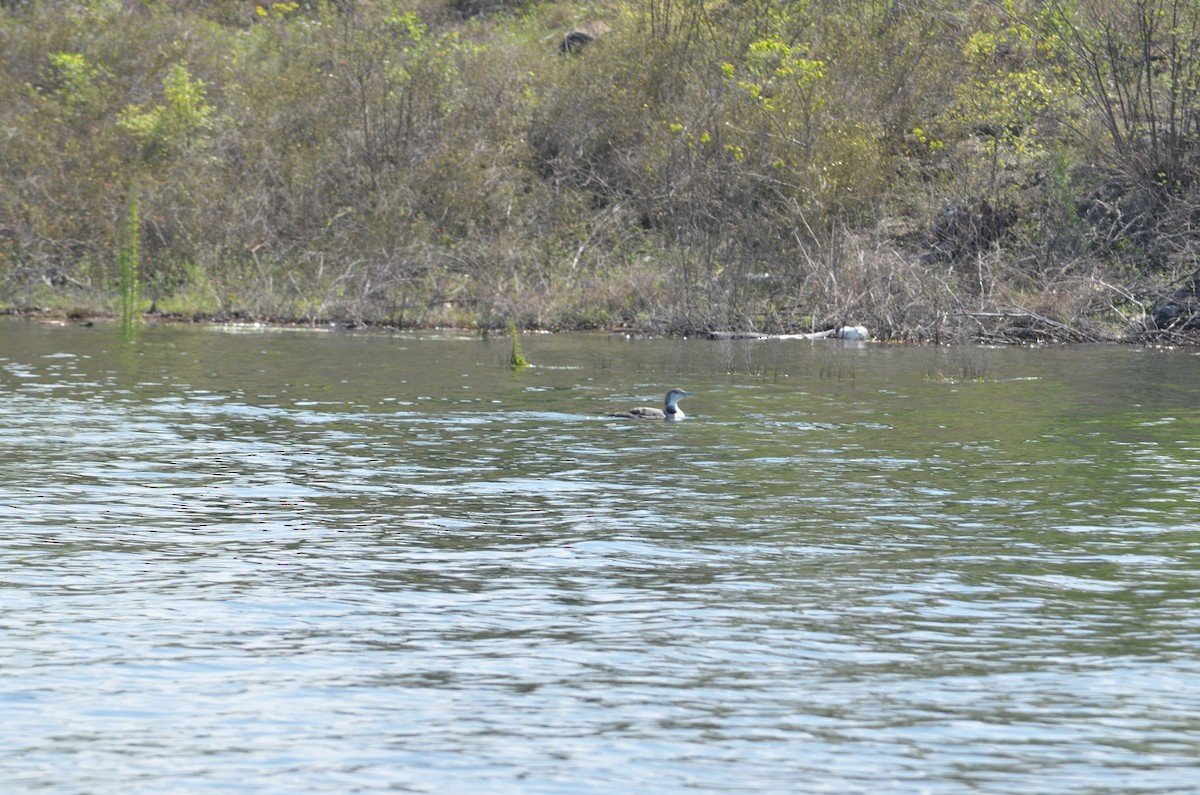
(301, 562)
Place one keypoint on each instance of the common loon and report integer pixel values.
(670, 410)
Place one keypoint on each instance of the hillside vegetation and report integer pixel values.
(1013, 170)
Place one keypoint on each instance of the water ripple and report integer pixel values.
(230, 571)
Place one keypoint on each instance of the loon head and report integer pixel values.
(671, 409)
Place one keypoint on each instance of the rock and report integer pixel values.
(851, 333)
(1179, 310)
(582, 36)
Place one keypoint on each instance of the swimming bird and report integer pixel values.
(669, 411)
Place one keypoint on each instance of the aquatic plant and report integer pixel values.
(516, 361)
(129, 265)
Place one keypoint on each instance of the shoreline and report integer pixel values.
(85, 318)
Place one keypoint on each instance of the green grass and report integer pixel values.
(129, 267)
(516, 361)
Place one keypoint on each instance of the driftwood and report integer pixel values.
(1022, 326)
(756, 335)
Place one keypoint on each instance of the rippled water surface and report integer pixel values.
(302, 562)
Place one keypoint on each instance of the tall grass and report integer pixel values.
(129, 265)
(516, 361)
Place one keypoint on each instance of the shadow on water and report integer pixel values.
(316, 562)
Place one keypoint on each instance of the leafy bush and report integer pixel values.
(702, 165)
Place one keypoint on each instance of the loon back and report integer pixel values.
(669, 411)
(643, 413)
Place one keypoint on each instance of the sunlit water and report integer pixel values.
(298, 562)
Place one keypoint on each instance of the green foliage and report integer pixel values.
(276, 10)
(172, 125)
(790, 91)
(704, 163)
(77, 80)
(516, 361)
(1002, 94)
(1059, 193)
